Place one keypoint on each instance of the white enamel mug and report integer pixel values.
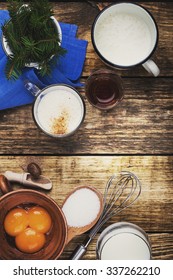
(125, 35)
(58, 110)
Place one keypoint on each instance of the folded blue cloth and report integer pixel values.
(67, 70)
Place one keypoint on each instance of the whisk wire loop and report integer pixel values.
(112, 194)
(121, 192)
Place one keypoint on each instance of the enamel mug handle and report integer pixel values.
(32, 88)
(151, 67)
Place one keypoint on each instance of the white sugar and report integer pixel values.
(81, 208)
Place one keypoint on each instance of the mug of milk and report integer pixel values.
(123, 241)
(58, 110)
(125, 35)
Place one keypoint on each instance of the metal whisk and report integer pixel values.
(121, 191)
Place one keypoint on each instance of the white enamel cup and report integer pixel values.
(133, 10)
(63, 98)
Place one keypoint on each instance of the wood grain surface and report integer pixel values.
(152, 211)
(142, 123)
(136, 136)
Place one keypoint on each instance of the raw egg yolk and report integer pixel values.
(16, 221)
(39, 219)
(30, 241)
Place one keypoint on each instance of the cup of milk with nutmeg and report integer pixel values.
(58, 110)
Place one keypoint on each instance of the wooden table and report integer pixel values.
(153, 210)
(136, 136)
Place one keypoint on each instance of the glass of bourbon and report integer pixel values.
(104, 89)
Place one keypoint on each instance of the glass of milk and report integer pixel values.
(125, 35)
(123, 241)
(58, 110)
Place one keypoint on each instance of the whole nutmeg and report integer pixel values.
(34, 169)
(5, 186)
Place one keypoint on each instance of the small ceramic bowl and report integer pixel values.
(56, 239)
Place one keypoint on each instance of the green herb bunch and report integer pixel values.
(31, 36)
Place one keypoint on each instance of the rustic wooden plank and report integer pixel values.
(83, 14)
(153, 211)
(155, 173)
(141, 123)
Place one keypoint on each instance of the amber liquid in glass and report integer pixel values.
(103, 90)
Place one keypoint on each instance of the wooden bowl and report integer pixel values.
(74, 231)
(56, 239)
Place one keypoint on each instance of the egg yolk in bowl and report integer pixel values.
(16, 221)
(28, 227)
(39, 219)
(30, 241)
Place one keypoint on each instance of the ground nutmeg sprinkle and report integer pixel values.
(60, 124)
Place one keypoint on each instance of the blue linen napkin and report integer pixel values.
(67, 70)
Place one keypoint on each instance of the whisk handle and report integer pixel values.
(81, 249)
(78, 252)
